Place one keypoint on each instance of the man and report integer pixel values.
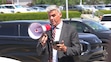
(67, 36)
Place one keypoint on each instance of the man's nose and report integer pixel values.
(51, 17)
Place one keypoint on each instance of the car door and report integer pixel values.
(8, 39)
(28, 44)
(24, 37)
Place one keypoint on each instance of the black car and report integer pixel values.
(92, 48)
(15, 43)
(91, 26)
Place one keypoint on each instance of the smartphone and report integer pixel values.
(55, 42)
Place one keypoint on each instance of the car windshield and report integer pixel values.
(18, 6)
(96, 25)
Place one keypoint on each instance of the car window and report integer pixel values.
(78, 26)
(24, 29)
(10, 7)
(2, 7)
(106, 18)
(95, 25)
(8, 29)
(18, 6)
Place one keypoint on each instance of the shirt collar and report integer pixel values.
(59, 26)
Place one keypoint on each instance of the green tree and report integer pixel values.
(93, 2)
(71, 2)
(57, 2)
(2, 1)
(107, 1)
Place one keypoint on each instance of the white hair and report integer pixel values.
(53, 7)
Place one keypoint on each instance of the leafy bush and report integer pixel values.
(23, 16)
(34, 16)
(44, 16)
(105, 11)
(72, 14)
(101, 12)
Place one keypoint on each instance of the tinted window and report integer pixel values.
(24, 29)
(108, 6)
(95, 25)
(78, 25)
(10, 7)
(106, 18)
(8, 29)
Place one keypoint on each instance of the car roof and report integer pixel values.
(79, 19)
(10, 4)
(107, 15)
(73, 19)
(25, 21)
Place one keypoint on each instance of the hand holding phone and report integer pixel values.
(55, 42)
(60, 46)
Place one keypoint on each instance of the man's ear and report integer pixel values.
(60, 14)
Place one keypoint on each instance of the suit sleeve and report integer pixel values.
(40, 48)
(44, 50)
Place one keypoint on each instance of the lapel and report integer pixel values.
(62, 32)
(49, 33)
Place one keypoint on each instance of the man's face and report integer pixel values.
(54, 17)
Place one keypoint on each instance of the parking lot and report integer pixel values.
(17, 44)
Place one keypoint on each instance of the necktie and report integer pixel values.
(51, 49)
(53, 33)
(53, 38)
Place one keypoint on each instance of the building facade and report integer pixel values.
(21, 2)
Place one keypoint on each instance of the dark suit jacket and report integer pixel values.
(71, 40)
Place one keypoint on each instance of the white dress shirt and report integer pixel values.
(57, 36)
